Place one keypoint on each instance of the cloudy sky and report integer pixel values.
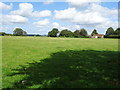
(41, 17)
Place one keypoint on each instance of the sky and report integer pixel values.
(42, 17)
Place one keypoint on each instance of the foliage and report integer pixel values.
(113, 36)
(110, 31)
(19, 32)
(53, 33)
(117, 31)
(5, 34)
(37, 35)
(83, 32)
(2, 33)
(24, 33)
(94, 32)
(66, 33)
(77, 33)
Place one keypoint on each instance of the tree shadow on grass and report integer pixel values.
(72, 69)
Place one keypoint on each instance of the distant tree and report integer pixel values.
(77, 33)
(110, 31)
(66, 33)
(83, 32)
(19, 32)
(8, 34)
(2, 33)
(94, 32)
(37, 35)
(117, 31)
(53, 33)
(24, 33)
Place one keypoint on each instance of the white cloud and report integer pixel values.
(8, 19)
(66, 14)
(70, 27)
(4, 29)
(81, 3)
(26, 10)
(77, 27)
(104, 11)
(94, 15)
(42, 23)
(0, 27)
(44, 13)
(55, 25)
(13, 18)
(48, 1)
(72, 15)
(108, 24)
(4, 6)
(62, 27)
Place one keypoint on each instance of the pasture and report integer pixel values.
(44, 62)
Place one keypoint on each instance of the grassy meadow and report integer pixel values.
(44, 62)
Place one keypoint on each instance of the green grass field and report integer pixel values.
(42, 62)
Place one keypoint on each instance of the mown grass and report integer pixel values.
(42, 62)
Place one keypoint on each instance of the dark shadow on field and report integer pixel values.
(72, 69)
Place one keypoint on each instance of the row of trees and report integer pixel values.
(67, 33)
(111, 31)
(82, 33)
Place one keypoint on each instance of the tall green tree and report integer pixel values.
(19, 32)
(117, 31)
(53, 33)
(94, 32)
(66, 33)
(83, 32)
(77, 33)
(110, 31)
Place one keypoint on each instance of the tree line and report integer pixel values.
(110, 32)
(82, 33)
(67, 33)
